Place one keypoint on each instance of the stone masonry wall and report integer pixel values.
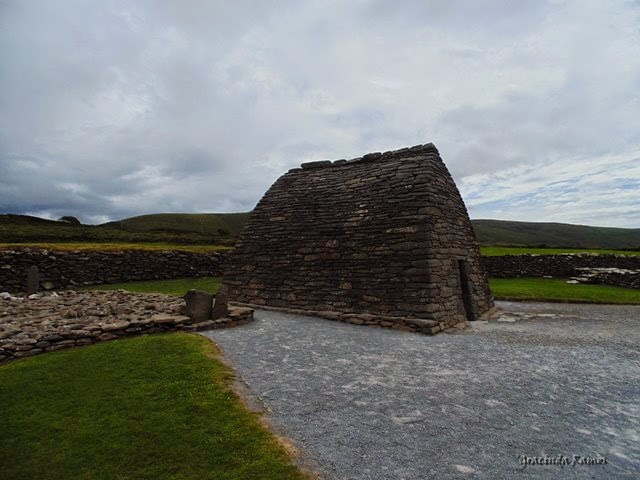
(616, 270)
(379, 236)
(452, 240)
(560, 266)
(62, 269)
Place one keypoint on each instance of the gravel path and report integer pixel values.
(368, 403)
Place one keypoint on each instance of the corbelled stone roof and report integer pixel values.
(385, 235)
(371, 157)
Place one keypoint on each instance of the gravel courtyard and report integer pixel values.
(547, 380)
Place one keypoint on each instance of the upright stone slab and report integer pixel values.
(33, 280)
(385, 235)
(220, 304)
(198, 305)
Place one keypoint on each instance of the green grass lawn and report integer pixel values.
(113, 246)
(559, 289)
(513, 288)
(177, 287)
(497, 251)
(149, 407)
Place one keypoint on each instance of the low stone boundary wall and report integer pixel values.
(59, 269)
(48, 322)
(561, 266)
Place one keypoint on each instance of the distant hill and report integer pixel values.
(534, 234)
(489, 232)
(205, 224)
(224, 228)
(180, 229)
(11, 219)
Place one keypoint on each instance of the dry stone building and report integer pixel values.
(383, 239)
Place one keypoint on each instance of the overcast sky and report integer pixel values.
(112, 108)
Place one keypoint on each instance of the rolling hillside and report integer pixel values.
(224, 228)
(205, 224)
(499, 232)
(180, 229)
(22, 220)
(489, 232)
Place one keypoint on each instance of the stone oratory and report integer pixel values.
(384, 239)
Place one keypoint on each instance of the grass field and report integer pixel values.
(225, 224)
(489, 251)
(177, 287)
(175, 229)
(149, 407)
(10, 233)
(224, 229)
(502, 288)
(559, 289)
(500, 232)
(497, 251)
(151, 246)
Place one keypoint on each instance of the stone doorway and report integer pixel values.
(466, 290)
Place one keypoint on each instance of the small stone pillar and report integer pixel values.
(199, 305)
(220, 304)
(33, 280)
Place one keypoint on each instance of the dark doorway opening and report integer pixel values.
(466, 288)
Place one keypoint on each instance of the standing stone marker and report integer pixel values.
(386, 236)
(198, 306)
(220, 304)
(33, 280)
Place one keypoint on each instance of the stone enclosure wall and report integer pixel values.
(615, 270)
(385, 236)
(67, 269)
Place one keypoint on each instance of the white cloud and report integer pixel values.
(597, 190)
(199, 106)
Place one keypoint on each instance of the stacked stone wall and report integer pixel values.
(564, 266)
(68, 269)
(452, 240)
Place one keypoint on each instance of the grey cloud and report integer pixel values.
(491, 17)
(111, 109)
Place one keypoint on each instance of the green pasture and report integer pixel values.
(148, 407)
(559, 290)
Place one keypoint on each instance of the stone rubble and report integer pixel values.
(605, 269)
(53, 321)
(621, 277)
